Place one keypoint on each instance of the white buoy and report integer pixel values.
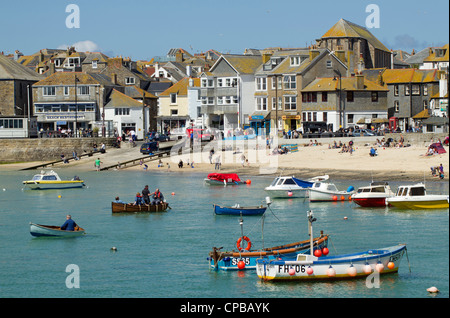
(114, 248)
(433, 290)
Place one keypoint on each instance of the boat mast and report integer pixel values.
(311, 219)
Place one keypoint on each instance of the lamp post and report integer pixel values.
(76, 106)
(340, 98)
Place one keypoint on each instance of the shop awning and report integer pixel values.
(258, 116)
(423, 114)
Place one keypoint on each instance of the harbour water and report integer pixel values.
(164, 255)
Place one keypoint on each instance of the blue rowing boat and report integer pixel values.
(238, 210)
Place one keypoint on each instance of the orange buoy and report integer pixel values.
(325, 251)
(342, 198)
(248, 181)
(391, 265)
(334, 198)
(241, 265)
(309, 270)
(351, 271)
(379, 267)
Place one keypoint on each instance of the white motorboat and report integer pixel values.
(289, 186)
(416, 197)
(373, 195)
(321, 191)
(51, 180)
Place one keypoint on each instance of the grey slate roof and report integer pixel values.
(11, 70)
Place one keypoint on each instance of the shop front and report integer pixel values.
(260, 122)
(291, 122)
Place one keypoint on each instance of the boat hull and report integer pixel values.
(370, 202)
(47, 185)
(287, 193)
(130, 208)
(417, 203)
(245, 211)
(321, 196)
(222, 182)
(55, 231)
(228, 261)
(342, 266)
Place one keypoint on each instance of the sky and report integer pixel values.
(143, 29)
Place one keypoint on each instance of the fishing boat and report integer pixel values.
(373, 195)
(314, 266)
(244, 258)
(224, 179)
(52, 230)
(322, 191)
(416, 197)
(290, 186)
(238, 210)
(51, 180)
(131, 208)
(309, 267)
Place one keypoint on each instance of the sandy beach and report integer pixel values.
(391, 163)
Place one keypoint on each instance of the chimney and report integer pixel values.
(179, 57)
(51, 68)
(361, 65)
(313, 54)
(359, 81)
(266, 57)
(114, 78)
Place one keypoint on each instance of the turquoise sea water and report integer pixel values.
(164, 255)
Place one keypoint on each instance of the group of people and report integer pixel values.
(438, 171)
(144, 197)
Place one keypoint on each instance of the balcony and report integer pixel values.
(220, 109)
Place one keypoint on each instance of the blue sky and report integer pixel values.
(142, 29)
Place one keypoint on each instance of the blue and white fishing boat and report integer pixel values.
(244, 258)
(238, 210)
(292, 187)
(314, 267)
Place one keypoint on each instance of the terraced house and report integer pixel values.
(227, 91)
(280, 80)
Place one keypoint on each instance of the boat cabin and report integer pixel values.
(325, 186)
(46, 176)
(283, 181)
(375, 187)
(414, 190)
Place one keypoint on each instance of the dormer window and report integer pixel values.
(130, 80)
(295, 60)
(94, 64)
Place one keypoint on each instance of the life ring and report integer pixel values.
(238, 243)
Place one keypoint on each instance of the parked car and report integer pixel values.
(155, 136)
(149, 147)
(363, 132)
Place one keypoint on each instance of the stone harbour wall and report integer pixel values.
(47, 149)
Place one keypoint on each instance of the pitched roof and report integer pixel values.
(181, 87)
(11, 70)
(68, 78)
(434, 57)
(347, 29)
(118, 99)
(348, 84)
(393, 76)
(242, 64)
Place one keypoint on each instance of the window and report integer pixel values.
(274, 103)
(277, 82)
(130, 80)
(94, 64)
(425, 90)
(295, 60)
(314, 116)
(174, 112)
(349, 96)
(66, 90)
(261, 103)
(407, 90)
(207, 82)
(122, 111)
(396, 106)
(261, 83)
(290, 102)
(173, 98)
(83, 90)
(289, 82)
(350, 118)
(329, 64)
(325, 116)
(324, 97)
(416, 89)
(395, 90)
(49, 91)
(219, 82)
(374, 96)
(425, 104)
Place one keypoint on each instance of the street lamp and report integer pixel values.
(76, 106)
(340, 98)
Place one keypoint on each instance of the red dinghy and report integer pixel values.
(223, 179)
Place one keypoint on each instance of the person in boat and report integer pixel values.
(157, 197)
(145, 195)
(139, 200)
(69, 225)
(119, 201)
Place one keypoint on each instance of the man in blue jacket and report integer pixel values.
(69, 225)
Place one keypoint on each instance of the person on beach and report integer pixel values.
(157, 197)
(69, 225)
(97, 164)
(217, 166)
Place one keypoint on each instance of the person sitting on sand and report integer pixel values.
(373, 152)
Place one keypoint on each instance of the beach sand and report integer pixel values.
(391, 164)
